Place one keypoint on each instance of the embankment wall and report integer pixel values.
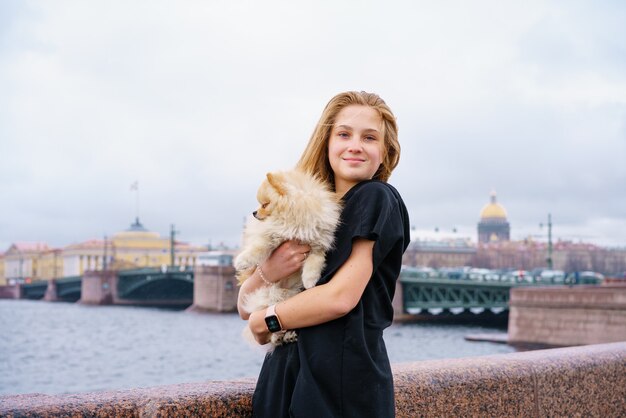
(566, 316)
(11, 291)
(573, 381)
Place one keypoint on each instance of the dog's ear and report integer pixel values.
(275, 181)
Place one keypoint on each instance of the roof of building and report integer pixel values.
(493, 209)
(439, 240)
(92, 243)
(137, 231)
(137, 226)
(28, 247)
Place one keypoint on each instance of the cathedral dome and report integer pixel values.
(493, 210)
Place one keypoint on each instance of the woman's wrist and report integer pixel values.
(259, 327)
(262, 275)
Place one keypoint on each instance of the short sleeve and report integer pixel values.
(372, 210)
(367, 211)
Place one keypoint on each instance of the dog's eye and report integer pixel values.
(264, 205)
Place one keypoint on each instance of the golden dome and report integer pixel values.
(493, 209)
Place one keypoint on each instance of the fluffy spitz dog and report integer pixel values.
(293, 206)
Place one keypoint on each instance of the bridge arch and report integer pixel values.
(156, 286)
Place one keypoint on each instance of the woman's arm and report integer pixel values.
(326, 302)
(284, 261)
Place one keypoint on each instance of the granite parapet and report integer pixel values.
(585, 381)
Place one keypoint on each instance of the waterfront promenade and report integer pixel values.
(587, 381)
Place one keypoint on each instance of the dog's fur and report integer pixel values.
(293, 206)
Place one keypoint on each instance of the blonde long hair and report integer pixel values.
(314, 159)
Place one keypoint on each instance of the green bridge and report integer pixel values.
(419, 293)
(423, 290)
(160, 286)
(156, 284)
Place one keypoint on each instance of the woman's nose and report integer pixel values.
(355, 144)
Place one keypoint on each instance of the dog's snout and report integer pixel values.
(255, 214)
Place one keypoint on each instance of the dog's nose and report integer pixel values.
(254, 214)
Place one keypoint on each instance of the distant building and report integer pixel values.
(520, 255)
(493, 225)
(214, 258)
(86, 255)
(438, 249)
(566, 255)
(22, 260)
(3, 278)
(495, 250)
(50, 264)
(135, 247)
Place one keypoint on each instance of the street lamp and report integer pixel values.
(549, 259)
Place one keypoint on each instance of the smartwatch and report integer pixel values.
(271, 319)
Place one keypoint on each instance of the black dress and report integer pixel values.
(340, 368)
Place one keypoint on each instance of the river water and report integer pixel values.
(70, 348)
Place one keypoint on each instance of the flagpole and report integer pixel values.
(135, 187)
(137, 199)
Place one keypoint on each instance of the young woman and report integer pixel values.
(339, 365)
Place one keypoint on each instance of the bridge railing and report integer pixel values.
(516, 277)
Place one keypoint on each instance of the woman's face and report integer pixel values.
(355, 147)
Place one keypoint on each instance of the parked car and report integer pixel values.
(552, 276)
(478, 274)
(584, 277)
(518, 276)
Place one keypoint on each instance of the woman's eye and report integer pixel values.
(370, 138)
(343, 135)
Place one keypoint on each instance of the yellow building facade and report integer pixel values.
(22, 261)
(50, 264)
(135, 247)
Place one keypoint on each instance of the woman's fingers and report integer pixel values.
(285, 260)
(299, 251)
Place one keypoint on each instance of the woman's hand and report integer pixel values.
(285, 260)
(257, 325)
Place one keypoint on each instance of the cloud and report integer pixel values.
(197, 100)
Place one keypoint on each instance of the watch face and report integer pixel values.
(272, 323)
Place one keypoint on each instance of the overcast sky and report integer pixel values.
(197, 100)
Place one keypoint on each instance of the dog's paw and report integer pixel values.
(242, 275)
(243, 261)
(290, 337)
(283, 337)
(312, 270)
(310, 280)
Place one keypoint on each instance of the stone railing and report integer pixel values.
(576, 381)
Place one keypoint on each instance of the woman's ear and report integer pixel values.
(275, 180)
